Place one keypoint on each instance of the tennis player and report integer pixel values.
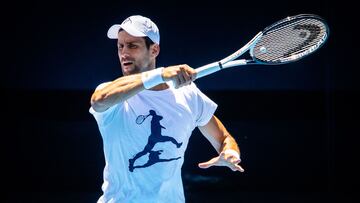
(144, 159)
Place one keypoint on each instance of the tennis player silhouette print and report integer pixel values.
(154, 138)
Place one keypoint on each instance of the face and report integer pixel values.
(134, 56)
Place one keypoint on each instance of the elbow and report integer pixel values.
(96, 97)
(98, 102)
(101, 101)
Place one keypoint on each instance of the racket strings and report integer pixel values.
(140, 119)
(290, 40)
(315, 30)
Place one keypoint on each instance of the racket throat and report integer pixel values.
(220, 65)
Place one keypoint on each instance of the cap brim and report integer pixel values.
(113, 31)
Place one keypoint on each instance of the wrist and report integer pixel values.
(152, 78)
(232, 152)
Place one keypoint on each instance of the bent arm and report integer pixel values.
(125, 87)
(116, 91)
(225, 145)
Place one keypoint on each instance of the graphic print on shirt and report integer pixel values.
(155, 137)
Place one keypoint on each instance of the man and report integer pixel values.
(146, 118)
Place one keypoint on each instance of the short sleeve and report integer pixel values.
(205, 108)
(103, 118)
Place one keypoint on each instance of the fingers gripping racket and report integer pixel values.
(285, 41)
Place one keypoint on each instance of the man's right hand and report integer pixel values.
(181, 75)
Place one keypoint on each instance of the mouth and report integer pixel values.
(127, 67)
(127, 64)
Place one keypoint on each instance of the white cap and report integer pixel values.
(137, 26)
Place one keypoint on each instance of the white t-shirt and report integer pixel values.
(144, 141)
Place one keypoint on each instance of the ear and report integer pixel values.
(154, 50)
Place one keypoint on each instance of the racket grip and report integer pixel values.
(207, 69)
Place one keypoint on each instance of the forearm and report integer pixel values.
(117, 91)
(229, 143)
(218, 136)
(224, 141)
(225, 145)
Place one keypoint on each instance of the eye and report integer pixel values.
(132, 46)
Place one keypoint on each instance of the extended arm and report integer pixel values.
(224, 144)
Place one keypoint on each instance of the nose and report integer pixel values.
(123, 53)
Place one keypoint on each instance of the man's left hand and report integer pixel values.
(224, 159)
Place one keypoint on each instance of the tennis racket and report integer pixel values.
(285, 41)
(141, 118)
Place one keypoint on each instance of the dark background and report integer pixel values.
(296, 124)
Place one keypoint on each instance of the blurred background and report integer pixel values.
(296, 124)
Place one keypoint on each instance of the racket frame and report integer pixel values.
(141, 119)
(230, 61)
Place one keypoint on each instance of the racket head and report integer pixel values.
(290, 39)
(140, 119)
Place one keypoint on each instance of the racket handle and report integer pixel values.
(201, 72)
(207, 69)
